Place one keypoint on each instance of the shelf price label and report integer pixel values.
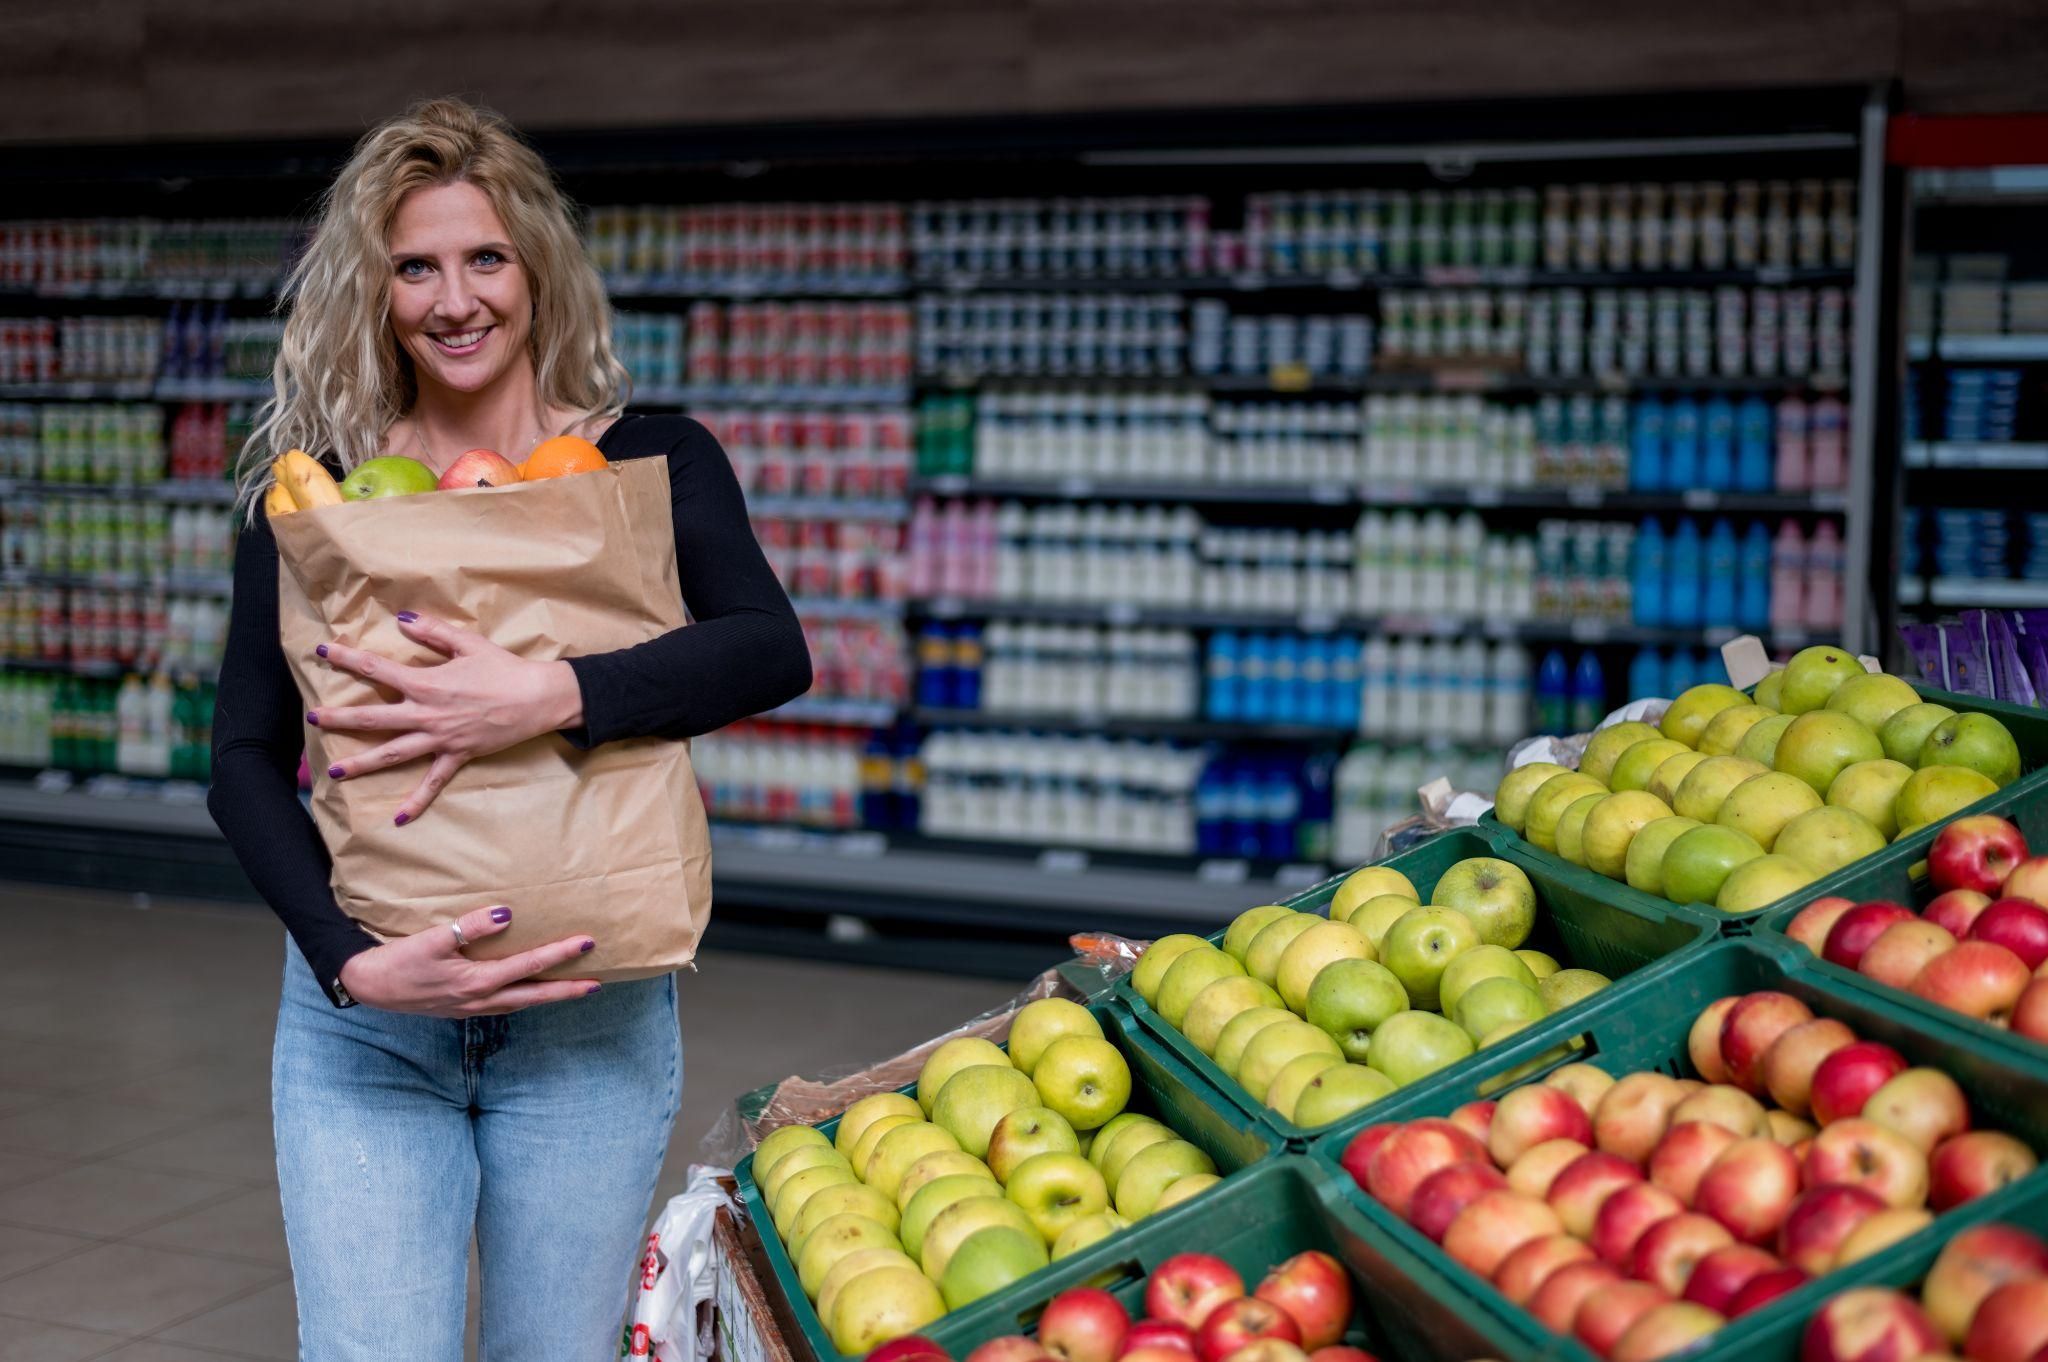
(1120, 613)
(1699, 499)
(1223, 872)
(1289, 378)
(1063, 861)
(1589, 631)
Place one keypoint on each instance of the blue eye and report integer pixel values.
(489, 258)
(411, 269)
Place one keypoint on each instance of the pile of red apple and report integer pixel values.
(1196, 1310)
(1986, 1296)
(1642, 1214)
(1980, 947)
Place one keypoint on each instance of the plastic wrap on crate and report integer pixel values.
(678, 1273)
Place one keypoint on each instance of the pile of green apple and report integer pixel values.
(1738, 802)
(1001, 1162)
(1318, 1017)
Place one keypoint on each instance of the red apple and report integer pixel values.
(1585, 1182)
(1160, 1334)
(1981, 979)
(1869, 1324)
(2011, 1324)
(1538, 1168)
(907, 1347)
(1789, 1129)
(478, 468)
(1531, 1115)
(1085, 1324)
(1670, 1249)
(1924, 1105)
(1974, 1165)
(1411, 1154)
(1811, 924)
(1158, 1352)
(1879, 1233)
(1790, 1063)
(1703, 1043)
(2019, 925)
(1847, 1077)
(2028, 880)
(1856, 929)
(1626, 1216)
(1269, 1350)
(1672, 1327)
(1446, 1192)
(1974, 1264)
(1756, 1020)
(1530, 1265)
(1588, 1083)
(1495, 1225)
(1557, 1301)
(1865, 1154)
(1008, 1348)
(1475, 1118)
(1634, 1113)
(1607, 1314)
(1685, 1153)
(1764, 1288)
(1187, 1286)
(1239, 1322)
(1341, 1353)
(1820, 1220)
(1977, 852)
(1718, 1276)
(2030, 1013)
(1359, 1151)
(1902, 950)
(1750, 1188)
(1954, 911)
(1314, 1289)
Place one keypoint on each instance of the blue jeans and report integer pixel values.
(398, 1136)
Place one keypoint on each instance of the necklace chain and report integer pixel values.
(419, 435)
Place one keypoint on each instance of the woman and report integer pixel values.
(420, 1097)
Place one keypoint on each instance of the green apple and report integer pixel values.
(847, 1198)
(1375, 915)
(1505, 1031)
(1760, 744)
(1285, 1089)
(1180, 1189)
(1571, 828)
(1707, 784)
(1511, 797)
(854, 1265)
(1871, 788)
(1976, 741)
(834, 1239)
(1550, 801)
(800, 1187)
(1237, 937)
(988, 1261)
(1701, 859)
(1089, 1229)
(1215, 1005)
(387, 476)
(1305, 956)
(1906, 732)
(1158, 958)
(798, 1159)
(1821, 744)
(1127, 1148)
(1643, 868)
(944, 1164)
(1762, 882)
(1335, 1093)
(1057, 1189)
(877, 1306)
(961, 1221)
(785, 1140)
(1083, 1078)
(1605, 747)
(1673, 769)
(1038, 1024)
(1189, 975)
(976, 1098)
(1352, 997)
(1640, 762)
(1113, 1127)
(1826, 839)
(871, 1139)
(1238, 1032)
(1722, 735)
(933, 1198)
(1026, 1133)
(1613, 825)
(853, 1123)
(962, 1052)
(1872, 698)
(1932, 793)
(898, 1149)
(1813, 674)
(1421, 946)
(1770, 692)
(1413, 1045)
(1493, 1003)
(1369, 882)
(1494, 895)
(1152, 1171)
(1481, 962)
(1762, 805)
(1262, 960)
(1568, 986)
(1690, 713)
(1540, 965)
(1270, 1050)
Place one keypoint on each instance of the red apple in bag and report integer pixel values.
(479, 468)
(1315, 1291)
(1978, 852)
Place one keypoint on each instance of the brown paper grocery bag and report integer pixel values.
(612, 841)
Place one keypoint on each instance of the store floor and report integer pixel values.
(138, 1197)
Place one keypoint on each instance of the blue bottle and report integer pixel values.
(1257, 705)
(1648, 585)
(1247, 810)
(1717, 445)
(1346, 677)
(1553, 693)
(1718, 601)
(967, 664)
(1755, 462)
(1753, 603)
(1225, 685)
(1682, 445)
(1319, 696)
(1646, 674)
(1312, 824)
(935, 667)
(1589, 693)
(1212, 808)
(1277, 829)
(1285, 666)
(1646, 446)
(1682, 568)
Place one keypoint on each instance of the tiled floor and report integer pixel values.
(138, 1203)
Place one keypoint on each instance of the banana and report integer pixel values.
(308, 484)
(278, 501)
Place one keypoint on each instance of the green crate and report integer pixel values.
(2029, 730)
(1643, 1024)
(1160, 1086)
(1578, 924)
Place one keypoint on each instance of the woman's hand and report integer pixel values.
(482, 700)
(427, 972)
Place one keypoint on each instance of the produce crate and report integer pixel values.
(1160, 1086)
(2029, 730)
(1642, 1024)
(1902, 882)
(1576, 921)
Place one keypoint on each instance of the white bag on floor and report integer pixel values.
(678, 1273)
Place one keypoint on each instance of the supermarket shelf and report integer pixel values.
(688, 288)
(2012, 455)
(765, 395)
(828, 508)
(98, 670)
(1447, 378)
(1351, 280)
(847, 713)
(182, 491)
(827, 608)
(188, 583)
(1193, 729)
(166, 290)
(1977, 185)
(143, 390)
(1990, 592)
(1979, 348)
(1577, 497)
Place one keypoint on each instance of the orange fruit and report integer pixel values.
(561, 456)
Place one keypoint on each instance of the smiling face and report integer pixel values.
(461, 302)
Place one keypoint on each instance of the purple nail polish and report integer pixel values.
(592, 989)
(313, 719)
(320, 651)
(336, 773)
(402, 819)
(407, 617)
(501, 914)
(587, 947)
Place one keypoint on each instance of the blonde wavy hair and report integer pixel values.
(341, 378)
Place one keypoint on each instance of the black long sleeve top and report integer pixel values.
(742, 653)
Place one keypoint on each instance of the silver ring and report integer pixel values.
(461, 941)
